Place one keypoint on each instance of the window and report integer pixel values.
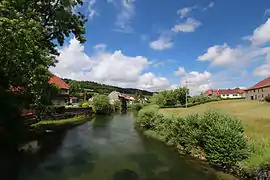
(254, 90)
(262, 90)
(262, 95)
(258, 90)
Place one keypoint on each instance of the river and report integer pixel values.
(109, 148)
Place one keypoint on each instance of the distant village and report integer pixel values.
(256, 92)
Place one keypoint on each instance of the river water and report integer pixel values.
(109, 148)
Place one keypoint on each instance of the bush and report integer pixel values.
(85, 105)
(213, 135)
(136, 106)
(223, 139)
(101, 104)
(267, 98)
(116, 106)
(147, 117)
(48, 111)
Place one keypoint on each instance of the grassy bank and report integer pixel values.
(59, 124)
(255, 117)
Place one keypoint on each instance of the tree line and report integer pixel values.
(77, 87)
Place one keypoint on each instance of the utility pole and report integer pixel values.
(186, 93)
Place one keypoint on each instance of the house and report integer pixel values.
(62, 97)
(212, 93)
(116, 96)
(259, 91)
(231, 93)
(225, 93)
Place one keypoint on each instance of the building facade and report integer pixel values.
(259, 91)
(225, 93)
(62, 98)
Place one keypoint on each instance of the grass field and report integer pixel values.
(255, 117)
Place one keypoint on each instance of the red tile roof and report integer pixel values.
(261, 84)
(58, 81)
(208, 92)
(231, 91)
(224, 91)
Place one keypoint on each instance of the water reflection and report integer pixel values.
(108, 148)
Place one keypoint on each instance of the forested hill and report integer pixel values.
(77, 87)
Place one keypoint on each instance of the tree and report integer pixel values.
(101, 104)
(159, 99)
(180, 94)
(29, 31)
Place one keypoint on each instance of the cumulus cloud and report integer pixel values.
(180, 71)
(151, 82)
(261, 34)
(220, 55)
(127, 12)
(105, 67)
(196, 82)
(190, 25)
(161, 43)
(224, 55)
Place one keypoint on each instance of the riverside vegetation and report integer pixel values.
(242, 147)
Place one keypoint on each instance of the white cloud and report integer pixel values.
(196, 82)
(123, 21)
(262, 71)
(161, 43)
(210, 5)
(220, 55)
(151, 82)
(105, 67)
(190, 25)
(185, 11)
(261, 35)
(180, 71)
(100, 46)
(224, 55)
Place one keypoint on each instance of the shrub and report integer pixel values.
(101, 104)
(116, 106)
(136, 106)
(218, 137)
(47, 112)
(147, 117)
(223, 139)
(85, 105)
(267, 98)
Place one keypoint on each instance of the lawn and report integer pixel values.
(255, 117)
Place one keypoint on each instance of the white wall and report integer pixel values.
(231, 96)
(113, 96)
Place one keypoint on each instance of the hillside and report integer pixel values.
(77, 87)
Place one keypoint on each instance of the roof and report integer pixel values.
(58, 81)
(224, 91)
(261, 84)
(211, 91)
(208, 92)
(231, 91)
(127, 97)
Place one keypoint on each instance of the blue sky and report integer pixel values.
(158, 45)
